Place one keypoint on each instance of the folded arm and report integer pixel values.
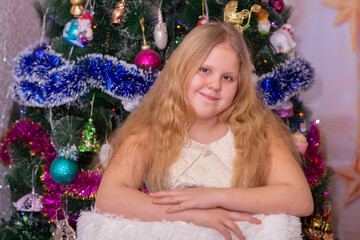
(286, 191)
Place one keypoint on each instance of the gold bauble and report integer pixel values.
(77, 8)
(118, 13)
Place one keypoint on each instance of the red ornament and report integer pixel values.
(148, 59)
(278, 5)
(203, 20)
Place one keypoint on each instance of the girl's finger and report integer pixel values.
(224, 231)
(235, 229)
(243, 217)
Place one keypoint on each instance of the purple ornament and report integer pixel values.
(285, 109)
(148, 59)
(278, 5)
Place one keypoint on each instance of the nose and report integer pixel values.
(214, 83)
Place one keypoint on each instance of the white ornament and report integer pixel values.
(264, 26)
(29, 203)
(283, 39)
(160, 33)
(104, 155)
(130, 104)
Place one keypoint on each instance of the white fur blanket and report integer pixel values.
(94, 226)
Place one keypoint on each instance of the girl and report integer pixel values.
(207, 149)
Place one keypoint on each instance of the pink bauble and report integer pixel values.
(148, 59)
(278, 5)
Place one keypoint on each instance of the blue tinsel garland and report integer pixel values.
(44, 79)
(285, 81)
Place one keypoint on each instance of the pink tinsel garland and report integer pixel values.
(315, 165)
(35, 137)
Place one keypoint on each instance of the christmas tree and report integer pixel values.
(99, 60)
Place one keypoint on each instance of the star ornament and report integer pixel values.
(350, 10)
(350, 175)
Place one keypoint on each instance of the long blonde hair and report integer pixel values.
(164, 116)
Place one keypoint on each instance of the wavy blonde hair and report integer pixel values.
(164, 116)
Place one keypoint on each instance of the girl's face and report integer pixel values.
(213, 87)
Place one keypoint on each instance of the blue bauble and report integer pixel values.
(64, 170)
(39, 51)
(71, 33)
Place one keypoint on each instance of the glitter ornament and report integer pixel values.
(285, 109)
(88, 142)
(118, 13)
(283, 39)
(160, 32)
(148, 59)
(63, 229)
(77, 8)
(278, 5)
(64, 170)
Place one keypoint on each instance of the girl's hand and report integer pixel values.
(222, 221)
(190, 198)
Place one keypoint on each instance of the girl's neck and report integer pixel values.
(207, 132)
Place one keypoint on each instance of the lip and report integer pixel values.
(208, 97)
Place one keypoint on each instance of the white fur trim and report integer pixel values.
(93, 225)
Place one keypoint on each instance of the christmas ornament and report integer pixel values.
(305, 126)
(300, 142)
(67, 131)
(63, 230)
(77, 8)
(79, 31)
(237, 18)
(278, 5)
(84, 26)
(347, 10)
(118, 13)
(160, 32)
(88, 142)
(283, 39)
(285, 109)
(64, 170)
(350, 175)
(30, 202)
(71, 33)
(147, 59)
(104, 155)
(264, 24)
(203, 20)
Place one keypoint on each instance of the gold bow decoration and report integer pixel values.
(237, 18)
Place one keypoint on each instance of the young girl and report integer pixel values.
(208, 150)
